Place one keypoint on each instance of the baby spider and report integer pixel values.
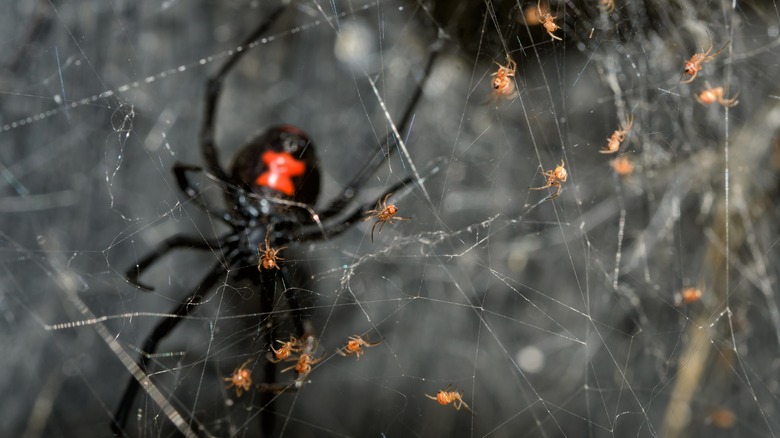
(287, 348)
(693, 66)
(691, 295)
(722, 418)
(554, 179)
(533, 15)
(385, 214)
(711, 95)
(355, 346)
(241, 379)
(548, 21)
(503, 83)
(617, 137)
(303, 365)
(268, 257)
(445, 397)
(609, 5)
(622, 165)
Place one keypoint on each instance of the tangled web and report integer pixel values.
(642, 301)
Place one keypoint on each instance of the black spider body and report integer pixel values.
(271, 191)
(252, 206)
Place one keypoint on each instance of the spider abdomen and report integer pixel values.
(282, 168)
(282, 160)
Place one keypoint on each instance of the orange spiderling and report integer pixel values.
(385, 214)
(284, 352)
(622, 165)
(617, 137)
(722, 418)
(445, 397)
(550, 26)
(303, 365)
(241, 379)
(533, 15)
(555, 178)
(268, 257)
(691, 295)
(503, 80)
(711, 95)
(355, 346)
(693, 66)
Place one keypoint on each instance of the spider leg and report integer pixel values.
(371, 214)
(711, 57)
(690, 79)
(729, 102)
(268, 285)
(374, 227)
(374, 344)
(169, 244)
(158, 334)
(271, 358)
(380, 228)
(366, 343)
(213, 89)
(464, 405)
(384, 200)
(180, 171)
(276, 388)
(556, 194)
(352, 189)
(313, 232)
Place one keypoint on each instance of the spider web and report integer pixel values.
(555, 317)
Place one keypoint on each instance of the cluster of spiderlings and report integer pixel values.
(299, 351)
(623, 166)
(303, 360)
(710, 94)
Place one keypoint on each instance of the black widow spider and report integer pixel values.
(271, 190)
